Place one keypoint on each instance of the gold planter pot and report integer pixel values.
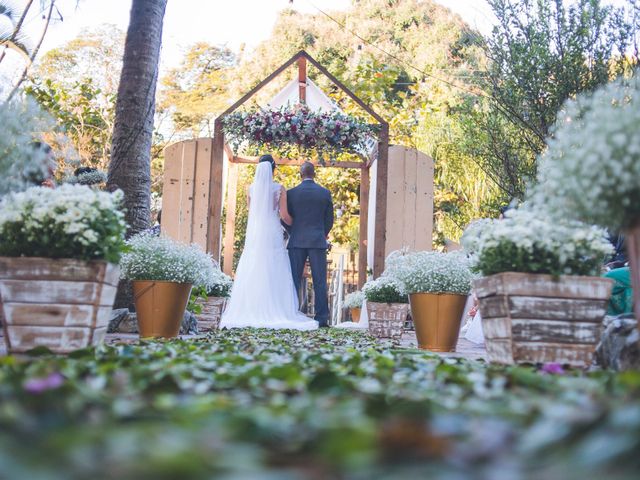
(437, 318)
(160, 307)
(355, 314)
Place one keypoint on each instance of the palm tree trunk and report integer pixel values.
(130, 166)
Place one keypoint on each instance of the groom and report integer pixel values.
(311, 207)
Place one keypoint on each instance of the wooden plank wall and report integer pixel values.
(409, 200)
(185, 193)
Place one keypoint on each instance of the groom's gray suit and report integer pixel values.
(311, 207)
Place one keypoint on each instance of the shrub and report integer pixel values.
(353, 300)
(384, 290)
(526, 242)
(160, 258)
(591, 169)
(430, 272)
(72, 221)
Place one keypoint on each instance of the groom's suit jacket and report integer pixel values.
(311, 207)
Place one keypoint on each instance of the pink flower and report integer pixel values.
(552, 369)
(42, 384)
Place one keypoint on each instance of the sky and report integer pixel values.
(233, 23)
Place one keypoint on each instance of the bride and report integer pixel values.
(263, 293)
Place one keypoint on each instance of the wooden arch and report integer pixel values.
(220, 147)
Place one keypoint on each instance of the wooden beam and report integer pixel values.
(261, 85)
(364, 226)
(381, 202)
(294, 162)
(344, 88)
(302, 79)
(215, 191)
(230, 223)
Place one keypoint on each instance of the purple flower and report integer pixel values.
(39, 385)
(552, 369)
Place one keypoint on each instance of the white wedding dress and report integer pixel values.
(263, 293)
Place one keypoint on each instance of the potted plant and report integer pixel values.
(213, 300)
(591, 169)
(438, 285)
(59, 250)
(162, 272)
(353, 302)
(387, 307)
(540, 297)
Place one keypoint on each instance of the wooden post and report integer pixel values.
(364, 226)
(381, 202)
(215, 191)
(302, 79)
(230, 224)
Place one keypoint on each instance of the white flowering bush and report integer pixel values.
(72, 221)
(430, 272)
(353, 300)
(526, 241)
(591, 169)
(220, 284)
(150, 257)
(95, 177)
(384, 290)
(21, 163)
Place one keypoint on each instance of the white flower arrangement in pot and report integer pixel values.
(437, 285)
(387, 307)
(56, 247)
(211, 300)
(539, 296)
(163, 272)
(353, 302)
(591, 168)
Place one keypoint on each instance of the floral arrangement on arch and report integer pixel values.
(529, 242)
(291, 127)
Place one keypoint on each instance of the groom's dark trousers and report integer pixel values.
(311, 207)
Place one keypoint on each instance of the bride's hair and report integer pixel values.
(268, 158)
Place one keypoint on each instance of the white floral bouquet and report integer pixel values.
(22, 163)
(430, 272)
(72, 221)
(591, 168)
(150, 257)
(325, 132)
(384, 290)
(220, 284)
(353, 300)
(526, 241)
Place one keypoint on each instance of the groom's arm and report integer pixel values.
(328, 217)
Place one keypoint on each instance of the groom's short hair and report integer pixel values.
(307, 170)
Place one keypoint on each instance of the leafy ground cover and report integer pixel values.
(328, 404)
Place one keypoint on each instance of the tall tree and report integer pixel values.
(542, 53)
(130, 166)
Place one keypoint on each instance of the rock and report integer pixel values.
(124, 321)
(619, 347)
(189, 324)
(118, 316)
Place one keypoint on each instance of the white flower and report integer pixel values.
(353, 300)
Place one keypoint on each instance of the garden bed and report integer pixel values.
(312, 405)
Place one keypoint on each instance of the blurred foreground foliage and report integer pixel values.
(327, 404)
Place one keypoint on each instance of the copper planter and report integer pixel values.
(437, 318)
(355, 314)
(160, 307)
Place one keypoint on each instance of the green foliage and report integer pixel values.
(325, 404)
(541, 54)
(384, 290)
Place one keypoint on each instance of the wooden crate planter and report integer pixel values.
(533, 318)
(386, 320)
(212, 309)
(60, 304)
